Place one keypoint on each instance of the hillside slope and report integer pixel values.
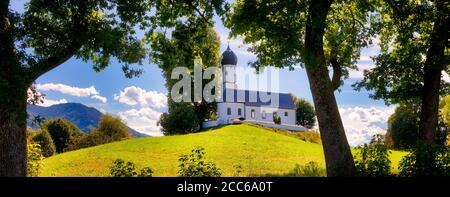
(251, 150)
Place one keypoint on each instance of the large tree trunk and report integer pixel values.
(338, 156)
(13, 149)
(432, 74)
(13, 91)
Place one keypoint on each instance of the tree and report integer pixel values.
(50, 32)
(110, 129)
(305, 113)
(186, 43)
(62, 132)
(180, 119)
(317, 34)
(414, 53)
(113, 128)
(44, 139)
(46, 35)
(403, 128)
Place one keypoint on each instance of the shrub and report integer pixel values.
(34, 159)
(426, 160)
(373, 161)
(45, 142)
(181, 119)
(120, 168)
(110, 129)
(307, 136)
(113, 128)
(305, 113)
(277, 119)
(311, 169)
(193, 165)
(62, 132)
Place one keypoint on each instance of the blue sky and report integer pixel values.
(140, 101)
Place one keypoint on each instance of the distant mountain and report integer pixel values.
(86, 118)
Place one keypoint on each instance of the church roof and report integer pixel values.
(257, 98)
(228, 57)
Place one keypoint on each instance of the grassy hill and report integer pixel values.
(254, 151)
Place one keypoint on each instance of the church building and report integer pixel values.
(252, 106)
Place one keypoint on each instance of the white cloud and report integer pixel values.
(143, 120)
(236, 44)
(72, 91)
(100, 98)
(361, 123)
(65, 89)
(137, 96)
(359, 74)
(49, 102)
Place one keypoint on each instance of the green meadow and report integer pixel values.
(238, 150)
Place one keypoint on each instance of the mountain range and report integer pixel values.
(84, 117)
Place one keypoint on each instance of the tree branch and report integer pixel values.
(47, 64)
(199, 12)
(76, 39)
(337, 74)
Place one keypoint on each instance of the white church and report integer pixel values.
(251, 106)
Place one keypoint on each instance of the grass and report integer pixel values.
(238, 150)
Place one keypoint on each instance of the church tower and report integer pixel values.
(229, 62)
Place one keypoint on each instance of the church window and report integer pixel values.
(285, 113)
(253, 113)
(239, 111)
(228, 111)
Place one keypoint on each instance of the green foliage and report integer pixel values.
(373, 161)
(276, 119)
(403, 128)
(305, 113)
(120, 168)
(181, 119)
(405, 30)
(193, 165)
(113, 128)
(188, 41)
(426, 160)
(110, 129)
(445, 109)
(307, 136)
(45, 141)
(34, 160)
(277, 31)
(311, 169)
(62, 132)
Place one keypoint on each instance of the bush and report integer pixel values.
(305, 113)
(34, 159)
(120, 168)
(403, 128)
(311, 169)
(62, 132)
(113, 128)
(193, 165)
(181, 119)
(110, 129)
(45, 141)
(277, 119)
(426, 160)
(373, 161)
(307, 136)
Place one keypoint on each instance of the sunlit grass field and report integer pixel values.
(238, 150)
